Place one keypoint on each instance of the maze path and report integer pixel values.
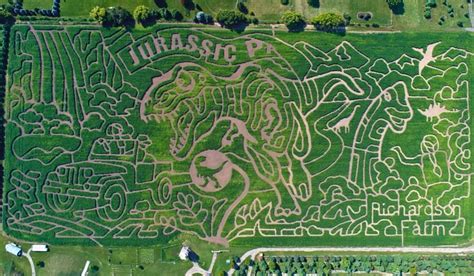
(126, 137)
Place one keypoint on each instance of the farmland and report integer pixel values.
(133, 138)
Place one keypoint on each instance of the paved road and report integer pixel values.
(30, 260)
(199, 270)
(471, 13)
(436, 250)
(196, 269)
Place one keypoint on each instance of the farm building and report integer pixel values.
(13, 249)
(184, 253)
(39, 248)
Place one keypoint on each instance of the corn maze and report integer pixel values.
(135, 137)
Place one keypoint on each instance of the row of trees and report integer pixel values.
(230, 19)
(324, 265)
(118, 16)
(328, 22)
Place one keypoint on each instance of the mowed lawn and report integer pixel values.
(271, 10)
(414, 10)
(379, 9)
(72, 8)
(70, 260)
(268, 10)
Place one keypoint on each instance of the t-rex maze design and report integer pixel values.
(113, 136)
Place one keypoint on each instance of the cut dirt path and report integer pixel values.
(433, 250)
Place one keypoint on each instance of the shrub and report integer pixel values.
(231, 19)
(284, 2)
(295, 22)
(427, 13)
(364, 16)
(460, 24)
(431, 3)
(143, 14)
(254, 21)
(97, 13)
(328, 22)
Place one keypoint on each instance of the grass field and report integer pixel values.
(70, 260)
(379, 9)
(270, 11)
(131, 138)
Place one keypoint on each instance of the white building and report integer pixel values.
(39, 248)
(13, 249)
(184, 253)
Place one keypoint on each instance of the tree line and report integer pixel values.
(326, 265)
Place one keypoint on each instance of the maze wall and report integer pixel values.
(116, 137)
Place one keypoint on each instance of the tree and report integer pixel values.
(165, 14)
(176, 15)
(314, 3)
(94, 270)
(143, 14)
(188, 4)
(328, 22)
(242, 8)
(40, 264)
(295, 22)
(272, 265)
(396, 6)
(248, 262)
(98, 14)
(394, 3)
(118, 16)
(6, 17)
(232, 19)
(234, 265)
(203, 18)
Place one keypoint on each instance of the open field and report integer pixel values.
(135, 137)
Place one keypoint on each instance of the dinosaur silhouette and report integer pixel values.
(344, 123)
(434, 111)
(427, 56)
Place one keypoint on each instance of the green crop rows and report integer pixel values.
(133, 137)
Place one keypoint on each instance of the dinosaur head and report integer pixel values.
(183, 97)
(398, 111)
